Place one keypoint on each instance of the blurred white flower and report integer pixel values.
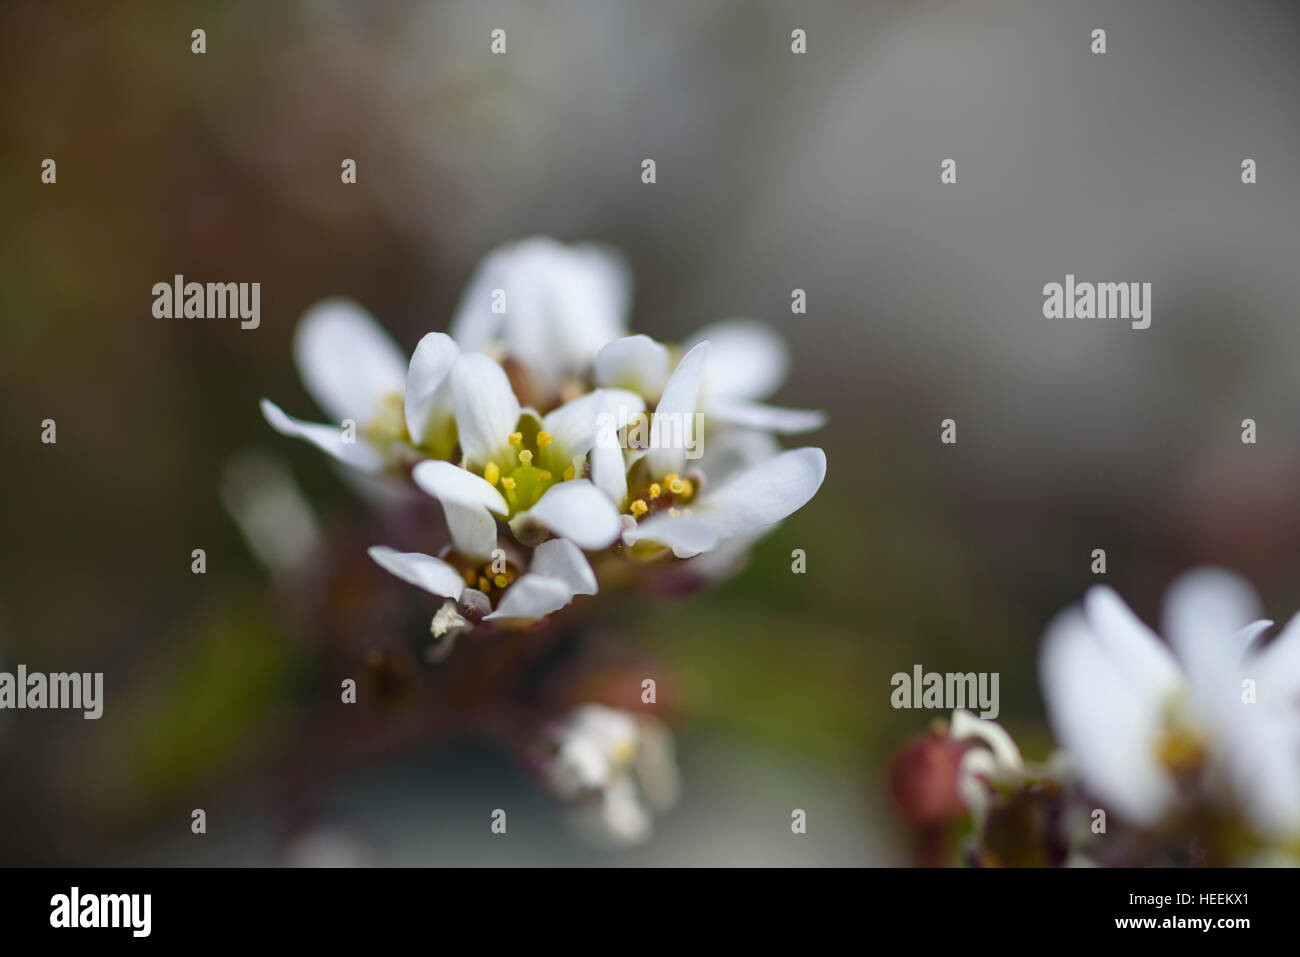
(545, 304)
(1149, 728)
(618, 768)
(355, 372)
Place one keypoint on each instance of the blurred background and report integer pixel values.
(775, 171)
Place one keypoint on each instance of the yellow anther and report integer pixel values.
(483, 584)
(673, 512)
(470, 578)
(543, 439)
(507, 482)
(638, 508)
(525, 457)
(543, 476)
(676, 485)
(655, 490)
(492, 473)
(501, 581)
(670, 478)
(568, 473)
(516, 438)
(690, 488)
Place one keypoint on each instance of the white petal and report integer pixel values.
(580, 512)
(475, 324)
(559, 558)
(1203, 610)
(359, 454)
(428, 389)
(575, 426)
(730, 451)
(472, 528)
(765, 494)
(609, 464)
(686, 535)
(771, 418)
(1259, 748)
(346, 360)
(673, 427)
(533, 596)
(588, 299)
(976, 767)
(623, 818)
(609, 472)
(424, 571)
(1142, 658)
(451, 483)
(637, 363)
(486, 409)
(1005, 753)
(1100, 720)
(748, 360)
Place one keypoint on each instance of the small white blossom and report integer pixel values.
(557, 572)
(562, 303)
(617, 767)
(1148, 727)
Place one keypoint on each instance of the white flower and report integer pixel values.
(518, 466)
(557, 572)
(1146, 725)
(622, 764)
(666, 507)
(746, 362)
(357, 374)
(561, 304)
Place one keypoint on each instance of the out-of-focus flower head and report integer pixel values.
(615, 768)
(1209, 722)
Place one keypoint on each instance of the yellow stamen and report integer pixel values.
(655, 490)
(689, 487)
(568, 473)
(673, 512)
(470, 578)
(670, 478)
(676, 486)
(639, 508)
(526, 457)
(516, 438)
(501, 581)
(543, 476)
(507, 482)
(543, 439)
(483, 584)
(492, 473)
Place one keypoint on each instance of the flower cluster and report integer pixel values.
(548, 435)
(569, 459)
